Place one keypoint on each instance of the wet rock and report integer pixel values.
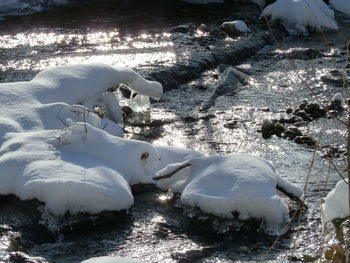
(336, 78)
(289, 134)
(127, 111)
(289, 110)
(231, 125)
(268, 128)
(315, 110)
(305, 139)
(203, 28)
(332, 114)
(174, 76)
(302, 114)
(336, 103)
(20, 257)
(332, 151)
(279, 129)
(190, 119)
(227, 85)
(304, 54)
(303, 104)
(180, 29)
(291, 120)
(296, 131)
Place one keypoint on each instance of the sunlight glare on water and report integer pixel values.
(85, 46)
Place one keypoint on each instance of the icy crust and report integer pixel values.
(112, 260)
(336, 204)
(222, 185)
(298, 15)
(340, 5)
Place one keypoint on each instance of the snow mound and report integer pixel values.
(112, 260)
(54, 148)
(298, 15)
(336, 204)
(340, 5)
(78, 169)
(222, 185)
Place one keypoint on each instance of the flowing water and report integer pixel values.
(139, 34)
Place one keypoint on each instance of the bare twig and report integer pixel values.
(64, 123)
(156, 178)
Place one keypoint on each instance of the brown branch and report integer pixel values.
(183, 166)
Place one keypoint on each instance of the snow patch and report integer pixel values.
(336, 204)
(221, 185)
(340, 5)
(298, 15)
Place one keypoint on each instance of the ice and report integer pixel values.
(336, 204)
(299, 15)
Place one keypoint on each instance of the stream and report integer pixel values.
(205, 106)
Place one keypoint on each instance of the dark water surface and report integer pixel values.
(157, 228)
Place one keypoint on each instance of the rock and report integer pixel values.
(279, 129)
(289, 134)
(304, 54)
(305, 139)
(332, 114)
(336, 103)
(303, 115)
(289, 110)
(303, 104)
(234, 28)
(231, 125)
(335, 81)
(268, 128)
(315, 110)
(20, 257)
(296, 131)
(291, 120)
(180, 29)
(203, 28)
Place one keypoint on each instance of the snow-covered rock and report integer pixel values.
(54, 148)
(49, 101)
(112, 260)
(340, 5)
(235, 27)
(336, 204)
(298, 15)
(221, 185)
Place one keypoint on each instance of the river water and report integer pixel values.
(141, 35)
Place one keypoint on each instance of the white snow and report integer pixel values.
(298, 15)
(62, 153)
(112, 260)
(336, 204)
(54, 148)
(340, 5)
(221, 185)
(235, 26)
